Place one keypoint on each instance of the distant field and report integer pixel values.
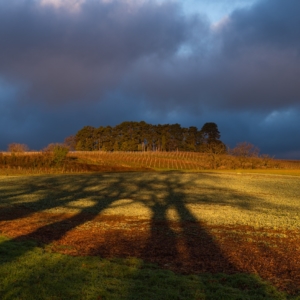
(99, 161)
(183, 160)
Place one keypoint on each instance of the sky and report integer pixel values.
(65, 64)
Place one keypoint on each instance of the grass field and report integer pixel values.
(260, 212)
(216, 198)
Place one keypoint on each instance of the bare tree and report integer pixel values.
(70, 142)
(17, 148)
(246, 153)
(245, 149)
(215, 151)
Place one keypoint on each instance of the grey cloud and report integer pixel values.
(61, 56)
(243, 65)
(259, 58)
(273, 23)
(151, 63)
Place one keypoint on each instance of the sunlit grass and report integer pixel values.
(31, 272)
(214, 198)
(239, 197)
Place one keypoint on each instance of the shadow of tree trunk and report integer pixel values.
(185, 240)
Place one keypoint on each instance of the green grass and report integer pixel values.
(31, 272)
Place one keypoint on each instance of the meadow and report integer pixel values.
(168, 234)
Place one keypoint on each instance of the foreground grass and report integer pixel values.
(31, 272)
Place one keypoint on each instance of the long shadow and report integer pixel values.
(189, 248)
(60, 198)
(49, 233)
(168, 243)
(189, 244)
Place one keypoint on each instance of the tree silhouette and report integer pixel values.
(140, 136)
(210, 133)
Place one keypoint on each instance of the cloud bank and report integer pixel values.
(66, 64)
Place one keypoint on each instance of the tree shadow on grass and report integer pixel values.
(170, 244)
(178, 244)
(53, 193)
(59, 195)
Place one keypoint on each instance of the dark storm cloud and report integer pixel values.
(61, 56)
(272, 23)
(251, 60)
(115, 61)
(260, 53)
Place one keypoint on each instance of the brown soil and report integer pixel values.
(184, 247)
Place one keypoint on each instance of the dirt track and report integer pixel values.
(185, 247)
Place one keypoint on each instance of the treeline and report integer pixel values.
(141, 136)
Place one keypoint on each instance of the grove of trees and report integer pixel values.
(189, 148)
(141, 136)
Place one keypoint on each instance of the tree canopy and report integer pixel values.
(141, 136)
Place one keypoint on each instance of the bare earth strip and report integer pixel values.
(198, 222)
